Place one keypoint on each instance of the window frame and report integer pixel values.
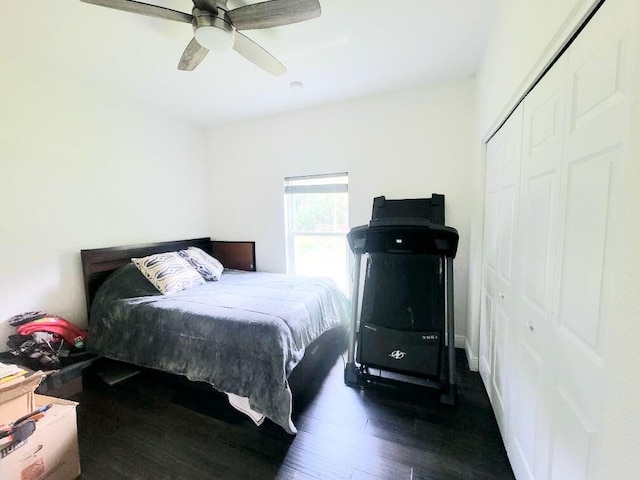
(290, 190)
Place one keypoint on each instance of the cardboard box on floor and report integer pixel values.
(51, 452)
(17, 397)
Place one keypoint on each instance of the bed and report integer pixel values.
(243, 334)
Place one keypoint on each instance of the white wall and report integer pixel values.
(81, 169)
(523, 39)
(524, 34)
(405, 144)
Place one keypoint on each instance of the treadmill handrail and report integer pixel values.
(413, 238)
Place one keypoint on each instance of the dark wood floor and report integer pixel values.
(155, 426)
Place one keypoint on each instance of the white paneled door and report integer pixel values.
(533, 353)
(556, 214)
(597, 126)
(503, 171)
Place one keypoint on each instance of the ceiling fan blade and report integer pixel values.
(257, 55)
(192, 56)
(143, 9)
(273, 13)
(208, 5)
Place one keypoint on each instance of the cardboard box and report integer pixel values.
(51, 452)
(17, 397)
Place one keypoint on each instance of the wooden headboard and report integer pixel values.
(99, 263)
(236, 255)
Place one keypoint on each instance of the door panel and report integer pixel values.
(544, 126)
(491, 238)
(495, 158)
(506, 224)
(486, 336)
(599, 82)
(537, 234)
(572, 439)
(495, 154)
(499, 371)
(587, 206)
(526, 398)
(530, 405)
(503, 171)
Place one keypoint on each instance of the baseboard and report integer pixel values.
(461, 341)
(474, 364)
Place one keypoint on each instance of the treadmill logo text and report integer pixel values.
(397, 354)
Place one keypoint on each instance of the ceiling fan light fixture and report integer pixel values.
(212, 30)
(214, 38)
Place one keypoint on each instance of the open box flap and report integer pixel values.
(20, 386)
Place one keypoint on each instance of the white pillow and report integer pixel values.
(168, 272)
(205, 264)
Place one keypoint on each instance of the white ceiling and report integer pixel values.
(356, 48)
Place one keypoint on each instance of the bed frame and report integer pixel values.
(320, 355)
(99, 263)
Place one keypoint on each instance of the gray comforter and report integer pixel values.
(243, 334)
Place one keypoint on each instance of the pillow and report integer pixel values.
(168, 272)
(205, 264)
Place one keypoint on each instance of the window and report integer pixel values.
(317, 222)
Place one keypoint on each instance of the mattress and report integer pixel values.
(243, 334)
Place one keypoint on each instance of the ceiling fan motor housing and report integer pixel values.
(207, 26)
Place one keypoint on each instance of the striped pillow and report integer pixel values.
(205, 264)
(168, 272)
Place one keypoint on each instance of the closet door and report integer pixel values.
(503, 171)
(495, 160)
(552, 292)
(596, 146)
(533, 356)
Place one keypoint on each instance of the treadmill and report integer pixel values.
(402, 329)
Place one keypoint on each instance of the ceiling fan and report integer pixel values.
(216, 27)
